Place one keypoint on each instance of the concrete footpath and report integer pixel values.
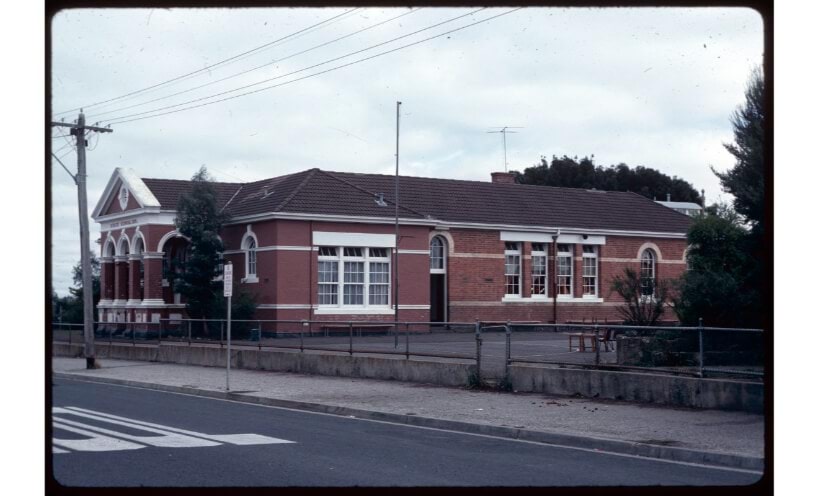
(712, 437)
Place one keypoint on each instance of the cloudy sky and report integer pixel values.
(652, 87)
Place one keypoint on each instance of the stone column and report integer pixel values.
(106, 282)
(134, 263)
(152, 290)
(120, 279)
(120, 288)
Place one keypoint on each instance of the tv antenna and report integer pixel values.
(504, 130)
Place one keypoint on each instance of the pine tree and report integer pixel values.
(745, 181)
(198, 218)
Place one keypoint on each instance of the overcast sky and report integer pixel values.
(652, 87)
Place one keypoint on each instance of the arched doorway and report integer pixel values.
(438, 289)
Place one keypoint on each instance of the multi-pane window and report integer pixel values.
(327, 277)
(589, 270)
(565, 269)
(437, 255)
(648, 272)
(539, 270)
(353, 276)
(512, 272)
(251, 257)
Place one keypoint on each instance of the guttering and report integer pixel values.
(328, 218)
(444, 224)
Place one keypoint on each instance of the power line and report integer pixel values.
(126, 118)
(241, 57)
(293, 72)
(222, 62)
(257, 67)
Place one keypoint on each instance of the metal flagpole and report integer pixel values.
(397, 226)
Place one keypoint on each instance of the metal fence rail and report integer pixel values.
(421, 339)
(677, 350)
(695, 351)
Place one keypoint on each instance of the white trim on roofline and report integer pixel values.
(136, 187)
(462, 225)
(328, 218)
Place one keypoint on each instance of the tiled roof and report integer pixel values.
(315, 191)
(168, 191)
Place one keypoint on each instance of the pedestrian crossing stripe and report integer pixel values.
(98, 438)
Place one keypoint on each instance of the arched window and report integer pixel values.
(251, 258)
(648, 272)
(437, 256)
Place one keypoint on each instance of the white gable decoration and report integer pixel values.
(130, 185)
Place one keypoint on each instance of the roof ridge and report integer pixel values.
(483, 183)
(188, 181)
(310, 173)
(332, 175)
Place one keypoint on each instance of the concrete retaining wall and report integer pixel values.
(647, 388)
(442, 373)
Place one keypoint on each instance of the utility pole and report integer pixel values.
(397, 228)
(78, 130)
(504, 130)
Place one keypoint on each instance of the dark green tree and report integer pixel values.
(718, 285)
(745, 181)
(724, 282)
(200, 219)
(583, 173)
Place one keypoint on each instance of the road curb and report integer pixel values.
(585, 442)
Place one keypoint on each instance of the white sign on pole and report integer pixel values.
(228, 279)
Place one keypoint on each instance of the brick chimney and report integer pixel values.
(502, 178)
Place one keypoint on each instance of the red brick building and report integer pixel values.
(321, 245)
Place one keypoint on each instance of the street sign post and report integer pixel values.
(228, 293)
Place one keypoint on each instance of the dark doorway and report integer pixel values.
(437, 297)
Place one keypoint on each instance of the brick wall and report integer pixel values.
(287, 275)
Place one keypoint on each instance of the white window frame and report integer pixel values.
(593, 254)
(570, 256)
(250, 276)
(513, 252)
(651, 254)
(542, 254)
(367, 258)
(433, 256)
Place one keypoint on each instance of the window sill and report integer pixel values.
(354, 311)
(249, 280)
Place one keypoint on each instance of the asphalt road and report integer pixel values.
(151, 438)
